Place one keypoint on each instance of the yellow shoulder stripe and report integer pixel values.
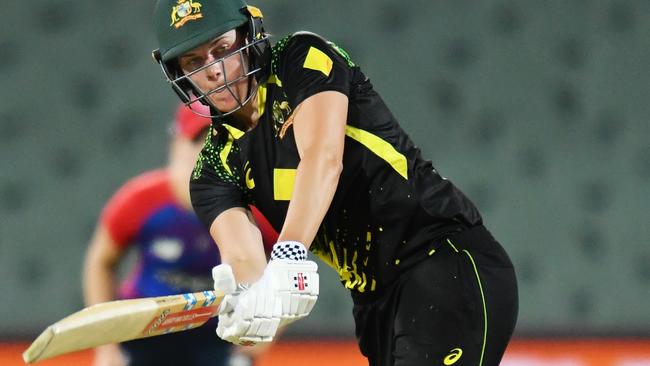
(318, 60)
(380, 148)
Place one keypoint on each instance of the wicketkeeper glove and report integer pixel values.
(286, 292)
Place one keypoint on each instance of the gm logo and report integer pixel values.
(453, 356)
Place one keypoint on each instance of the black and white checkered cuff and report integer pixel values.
(289, 250)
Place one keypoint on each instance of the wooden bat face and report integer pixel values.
(124, 320)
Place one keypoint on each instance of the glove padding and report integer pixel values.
(287, 291)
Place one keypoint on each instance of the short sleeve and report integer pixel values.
(308, 65)
(215, 185)
(129, 208)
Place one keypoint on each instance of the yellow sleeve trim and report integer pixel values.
(318, 60)
(379, 147)
(283, 181)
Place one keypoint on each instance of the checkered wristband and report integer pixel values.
(293, 250)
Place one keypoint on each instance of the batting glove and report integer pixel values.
(286, 292)
(236, 324)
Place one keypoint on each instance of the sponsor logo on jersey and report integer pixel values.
(453, 356)
(280, 113)
(167, 249)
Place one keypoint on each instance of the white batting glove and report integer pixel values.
(286, 292)
(294, 278)
(234, 325)
(224, 280)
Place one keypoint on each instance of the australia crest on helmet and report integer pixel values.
(184, 11)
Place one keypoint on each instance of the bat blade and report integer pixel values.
(124, 320)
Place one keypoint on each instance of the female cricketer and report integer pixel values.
(299, 131)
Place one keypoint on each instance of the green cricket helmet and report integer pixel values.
(182, 25)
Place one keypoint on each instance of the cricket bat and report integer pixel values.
(123, 320)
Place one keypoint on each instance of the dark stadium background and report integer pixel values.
(538, 110)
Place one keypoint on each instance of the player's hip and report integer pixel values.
(463, 297)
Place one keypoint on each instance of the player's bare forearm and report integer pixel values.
(240, 244)
(319, 130)
(99, 268)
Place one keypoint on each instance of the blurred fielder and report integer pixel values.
(175, 254)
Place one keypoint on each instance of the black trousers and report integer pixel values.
(457, 307)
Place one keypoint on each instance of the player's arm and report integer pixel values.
(100, 264)
(317, 80)
(240, 243)
(278, 293)
(288, 287)
(319, 130)
(222, 207)
(117, 226)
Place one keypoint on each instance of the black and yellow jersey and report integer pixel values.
(390, 205)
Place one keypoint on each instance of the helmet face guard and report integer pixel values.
(190, 93)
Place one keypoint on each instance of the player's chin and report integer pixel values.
(224, 101)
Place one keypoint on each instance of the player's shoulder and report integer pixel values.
(143, 186)
(295, 42)
(300, 46)
(148, 181)
(308, 37)
(134, 202)
(298, 40)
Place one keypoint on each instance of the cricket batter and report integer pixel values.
(152, 212)
(299, 131)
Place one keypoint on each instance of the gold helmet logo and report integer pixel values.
(184, 11)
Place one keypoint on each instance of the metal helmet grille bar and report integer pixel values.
(191, 93)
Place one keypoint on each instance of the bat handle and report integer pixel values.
(224, 279)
